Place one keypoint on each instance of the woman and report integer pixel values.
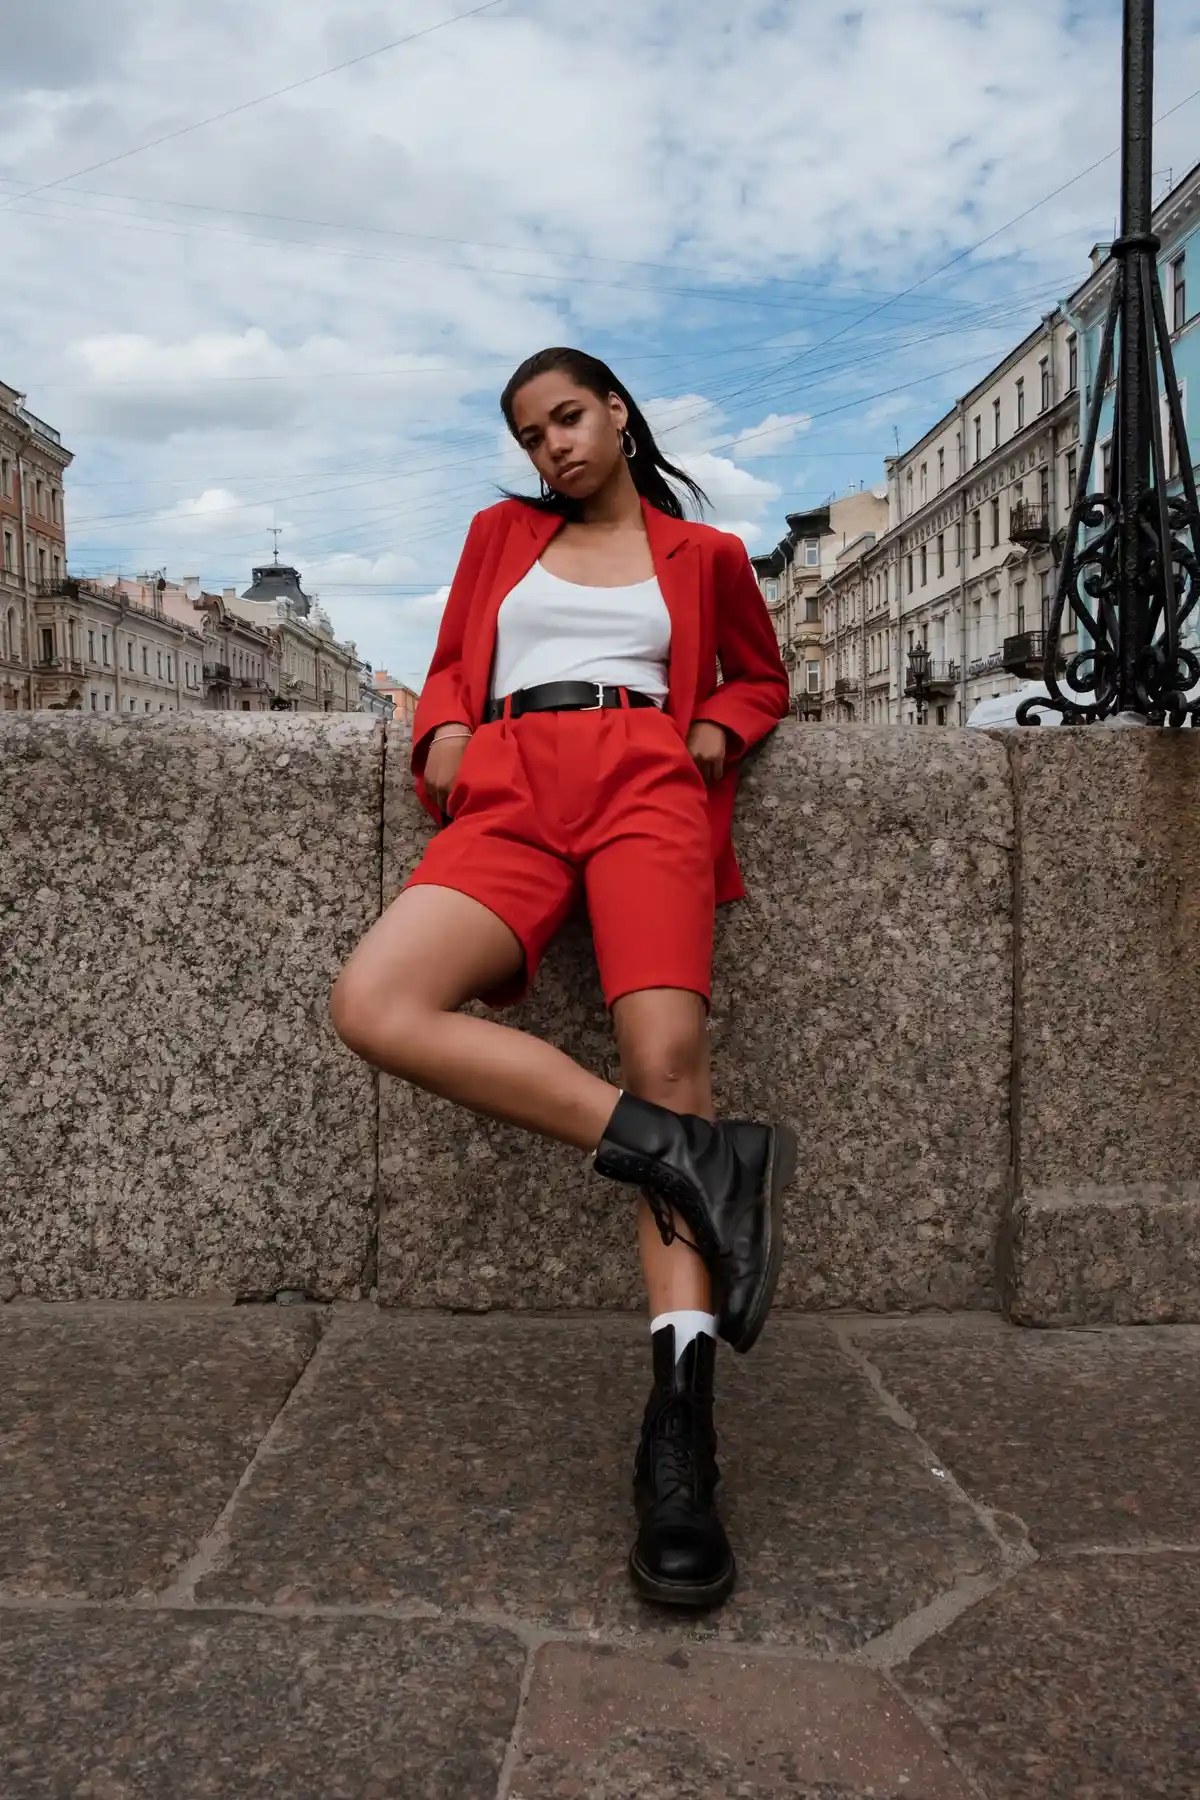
(573, 736)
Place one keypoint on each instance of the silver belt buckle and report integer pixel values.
(599, 706)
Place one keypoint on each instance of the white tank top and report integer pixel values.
(549, 629)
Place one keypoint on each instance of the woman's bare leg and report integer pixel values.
(395, 1004)
(662, 1036)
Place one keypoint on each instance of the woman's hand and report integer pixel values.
(441, 765)
(707, 746)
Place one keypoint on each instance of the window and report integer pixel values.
(40, 504)
(1021, 404)
(129, 652)
(1105, 464)
(1045, 601)
(958, 543)
(159, 654)
(812, 610)
(812, 553)
(941, 550)
(1019, 593)
(924, 565)
(1044, 369)
(91, 646)
(57, 568)
(1072, 363)
(995, 522)
(145, 659)
(5, 477)
(54, 504)
(996, 423)
(47, 637)
(941, 470)
(978, 437)
(9, 561)
(104, 648)
(909, 568)
(1044, 489)
(1178, 293)
(924, 483)
(941, 715)
(771, 592)
(958, 451)
(976, 533)
(170, 676)
(908, 490)
(812, 676)
(1072, 474)
(95, 698)
(41, 565)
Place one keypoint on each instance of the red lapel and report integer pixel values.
(676, 564)
(529, 531)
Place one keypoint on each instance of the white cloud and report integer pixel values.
(710, 197)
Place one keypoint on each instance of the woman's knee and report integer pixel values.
(364, 1011)
(668, 1061)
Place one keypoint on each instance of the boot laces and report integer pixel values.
(675, 1452)
(669, 1232)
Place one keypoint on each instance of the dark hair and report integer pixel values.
(648, 466)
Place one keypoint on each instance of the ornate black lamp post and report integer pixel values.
(918, 682)
(1136, 582)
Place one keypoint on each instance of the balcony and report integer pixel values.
(1029, 523)
(58, 665)
(983, 665)
(942, 679)
(218, 674)
(842, 687)
(1024, 654)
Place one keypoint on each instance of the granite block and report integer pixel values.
(1081, 1679)
(1105, 1256)
(162, 1706)
(600, 1724)
(177, 895)
(487, 1464)
(1091, 1438)
(863, 992)
(123, 1432)
(1108, 1000)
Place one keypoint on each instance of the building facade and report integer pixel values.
(33, 555)
(792, 579)
(401, 701)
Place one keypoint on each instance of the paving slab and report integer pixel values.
(123, 1431)
(601, 1724)
(486, 1463)
(1090, 1437)
(170, 1706)
(1080, 1681)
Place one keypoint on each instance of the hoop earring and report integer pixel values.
(628, 444)
(547, 490)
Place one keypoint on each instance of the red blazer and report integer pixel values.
(717, 613)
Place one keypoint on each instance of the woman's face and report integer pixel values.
(571, 436)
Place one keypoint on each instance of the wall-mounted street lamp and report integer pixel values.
(1136, 583)
(917, 682)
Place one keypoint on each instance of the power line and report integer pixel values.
(245, 106)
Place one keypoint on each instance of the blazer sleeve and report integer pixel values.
(754, 694)
(442, 700)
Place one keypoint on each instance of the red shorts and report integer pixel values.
(608, 806)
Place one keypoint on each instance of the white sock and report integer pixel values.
(688, 1325)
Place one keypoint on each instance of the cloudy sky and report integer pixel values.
(251, 292)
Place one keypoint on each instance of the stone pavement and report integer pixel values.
(315, 1553)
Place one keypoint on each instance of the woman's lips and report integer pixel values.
(576, 468)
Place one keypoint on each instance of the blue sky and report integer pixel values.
(765, 217)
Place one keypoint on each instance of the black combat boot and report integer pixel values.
(726, 1182)
(681, 1556)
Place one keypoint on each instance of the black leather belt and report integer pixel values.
(564, 696)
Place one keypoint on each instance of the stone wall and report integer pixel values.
(177, 1116)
